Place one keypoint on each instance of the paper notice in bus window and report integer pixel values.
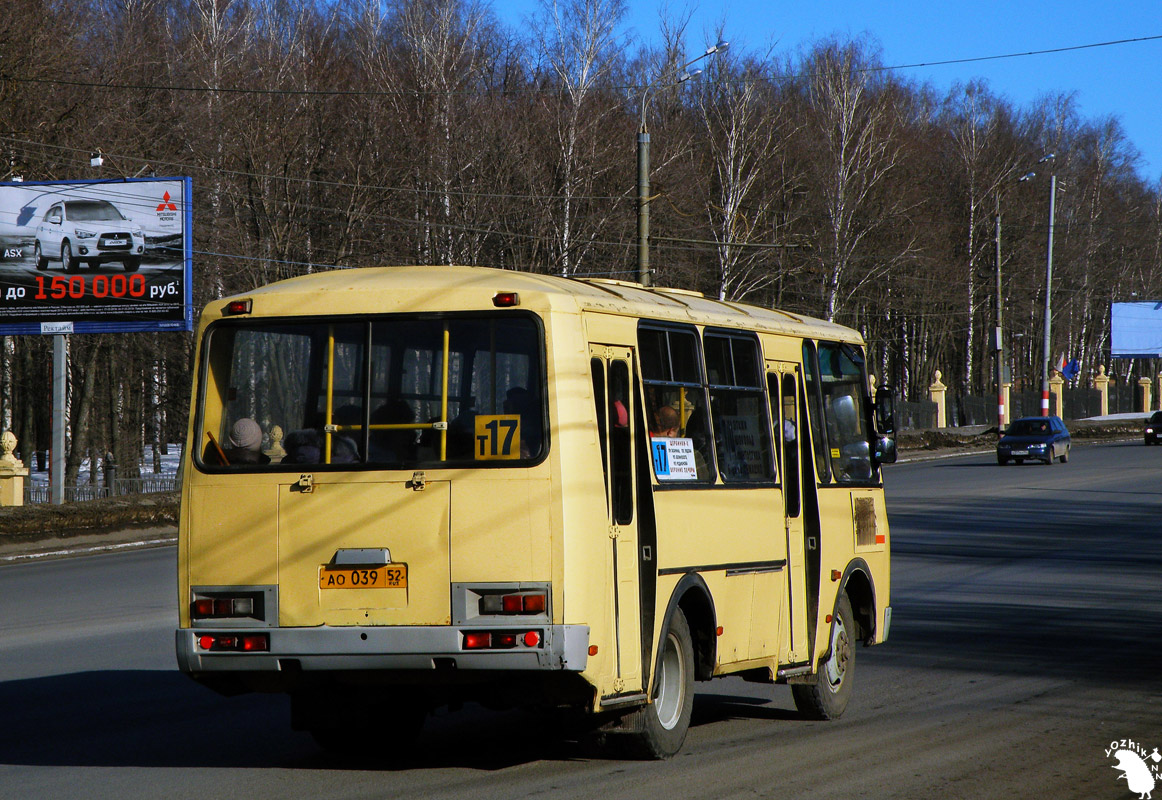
(674, 459)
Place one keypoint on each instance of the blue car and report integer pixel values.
(1037, 438)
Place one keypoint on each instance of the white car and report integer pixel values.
(90, 231)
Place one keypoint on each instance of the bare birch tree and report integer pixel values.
(854, 130)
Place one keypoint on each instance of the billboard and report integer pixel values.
(1136, 330)
(109, 256)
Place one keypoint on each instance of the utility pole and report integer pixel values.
(1045, 354)
(643, 165)
(999, 345)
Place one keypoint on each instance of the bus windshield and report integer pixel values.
(385, 392)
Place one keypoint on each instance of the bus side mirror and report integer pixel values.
(885, 452)
(885, 412)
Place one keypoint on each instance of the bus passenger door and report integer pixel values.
(783, 387)
(611, 370)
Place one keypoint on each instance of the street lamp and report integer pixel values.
(643, 163)
(998, 335)
(1048, 282)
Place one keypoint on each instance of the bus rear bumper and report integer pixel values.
(561, 648)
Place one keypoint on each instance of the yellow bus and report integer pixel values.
(408, 487)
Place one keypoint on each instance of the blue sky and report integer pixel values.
(1122, 80)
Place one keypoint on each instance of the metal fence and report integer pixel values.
(1079, 403)
(911, 416)
(120, 487)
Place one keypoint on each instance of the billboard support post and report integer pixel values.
(59, 377)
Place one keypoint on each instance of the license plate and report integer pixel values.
(116, 242)
(389, 576)
(1020, 452)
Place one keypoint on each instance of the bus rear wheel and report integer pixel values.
(829, 691)
(657, 730)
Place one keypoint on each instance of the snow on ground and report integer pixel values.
(169, 467)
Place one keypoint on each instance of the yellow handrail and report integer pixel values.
(444, 396)
(330, 393)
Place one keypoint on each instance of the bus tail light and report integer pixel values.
(519, 603)
(477, 641)
(205, 607)
(231, 603)
(501, 640)
(236, 642)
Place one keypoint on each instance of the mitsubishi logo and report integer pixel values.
(166, 204)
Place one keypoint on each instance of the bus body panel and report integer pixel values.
(236, 548)
(345, 513)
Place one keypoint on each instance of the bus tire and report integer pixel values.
(657, 730)
(359, 729)
(829, 691)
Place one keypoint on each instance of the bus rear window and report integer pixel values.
(383, 393)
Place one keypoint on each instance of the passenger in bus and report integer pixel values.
(392, 446)
(462, 431)
(518, 400)
(666, 422)
(307, 446)
(244, 445)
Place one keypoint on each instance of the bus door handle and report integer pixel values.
(305, 483)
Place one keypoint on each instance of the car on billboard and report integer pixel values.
(92, 232)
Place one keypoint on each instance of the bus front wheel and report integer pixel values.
(657, 730)
(826, 696)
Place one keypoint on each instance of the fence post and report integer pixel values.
(276, 451)
(1158, 401)
(12, 472)
(1007, 389)
(936, 395)
(1056, 385)
(1102, 383)
(1144, 402)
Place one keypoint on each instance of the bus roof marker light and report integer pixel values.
(506, 299)
(238, 307)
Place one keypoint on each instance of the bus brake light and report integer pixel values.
(246, 642)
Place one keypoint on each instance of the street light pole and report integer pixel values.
(1045, 354)
(643, 166)
(643, 204)
(1048, 295)
(999, 336)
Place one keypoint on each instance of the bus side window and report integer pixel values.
(815, 413)
(741, 427)
(597, 367)
(845, 407)
(676, 405)
(621, 452)
(790, 448)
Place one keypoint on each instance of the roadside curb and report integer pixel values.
(87, 544)
(991, 450)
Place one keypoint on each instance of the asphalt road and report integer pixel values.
(1026, 638)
